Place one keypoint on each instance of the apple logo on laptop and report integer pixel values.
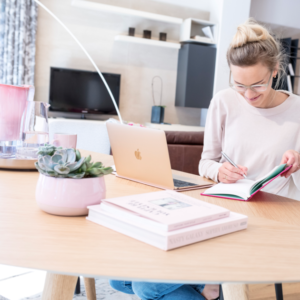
(138, 154)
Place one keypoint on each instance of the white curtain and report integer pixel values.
(18, 22)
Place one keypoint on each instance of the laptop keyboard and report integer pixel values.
(179, 183)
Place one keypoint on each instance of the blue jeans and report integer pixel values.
(159, 291)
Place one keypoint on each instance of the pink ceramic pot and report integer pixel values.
(69, 197)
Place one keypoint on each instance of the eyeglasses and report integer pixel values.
(257, 88)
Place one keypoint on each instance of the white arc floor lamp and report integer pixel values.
(87, 54)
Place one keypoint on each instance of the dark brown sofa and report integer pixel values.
(185, 149)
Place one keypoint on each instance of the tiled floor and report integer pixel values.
(20, 284)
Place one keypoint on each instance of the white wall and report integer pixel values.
(280, 12)
(137, 64)
(228, 14)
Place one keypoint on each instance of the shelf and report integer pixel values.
(150, 42)
(124, 11)
(202, 22)
(205, 41)
(192, 27)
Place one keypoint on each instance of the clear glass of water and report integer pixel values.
(34, 130)
(31, 141)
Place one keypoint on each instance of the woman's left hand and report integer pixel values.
(291, 157)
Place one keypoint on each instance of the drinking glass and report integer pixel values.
(34, 129)
(65, 140)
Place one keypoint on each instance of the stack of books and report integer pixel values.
(166, 219)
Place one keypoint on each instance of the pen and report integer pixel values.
(230, 161)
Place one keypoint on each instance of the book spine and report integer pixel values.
(130, 230)
(202, 234)
(201, 220)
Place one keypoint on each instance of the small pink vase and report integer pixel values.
(69, 197)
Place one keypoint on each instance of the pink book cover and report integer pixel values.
(173, 239)
(168, 207)
(285, 170)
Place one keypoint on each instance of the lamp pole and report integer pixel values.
(86, 53)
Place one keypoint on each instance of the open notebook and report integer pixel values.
(244, 189)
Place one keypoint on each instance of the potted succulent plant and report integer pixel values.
(68, 183)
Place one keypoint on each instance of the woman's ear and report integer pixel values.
(275, 71)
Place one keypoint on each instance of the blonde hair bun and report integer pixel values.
(254, 44)
(250, 32)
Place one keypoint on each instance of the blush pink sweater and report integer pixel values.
(252, 137)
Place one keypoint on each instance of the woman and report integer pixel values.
(256, 126)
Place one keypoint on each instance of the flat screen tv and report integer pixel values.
(77, 91)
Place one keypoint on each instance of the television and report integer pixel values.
(82, 92)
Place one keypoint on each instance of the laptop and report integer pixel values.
(141, 154)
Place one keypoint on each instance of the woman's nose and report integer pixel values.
(250, 94)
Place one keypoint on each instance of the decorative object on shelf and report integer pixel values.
(158, 111)
(131, 31)
(196, 30)
(163, 36)
(208, 33)
(34, 131)
(147, 34)
(68, 183)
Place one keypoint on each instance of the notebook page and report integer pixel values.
(261, 181)
(240, 188)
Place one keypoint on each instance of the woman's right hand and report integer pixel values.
(230, 174)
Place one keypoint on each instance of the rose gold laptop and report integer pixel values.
(141, 154)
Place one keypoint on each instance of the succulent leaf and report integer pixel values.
(56, 158)
(88, 159)
(62, 169)
(97, 165)
(76, 165)
(46, 150)
(83, 167)
(71, 156)
(78, 155)
(89, 165)
(95, 172)
(107, 170)
(76, 176)
(41, 163)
